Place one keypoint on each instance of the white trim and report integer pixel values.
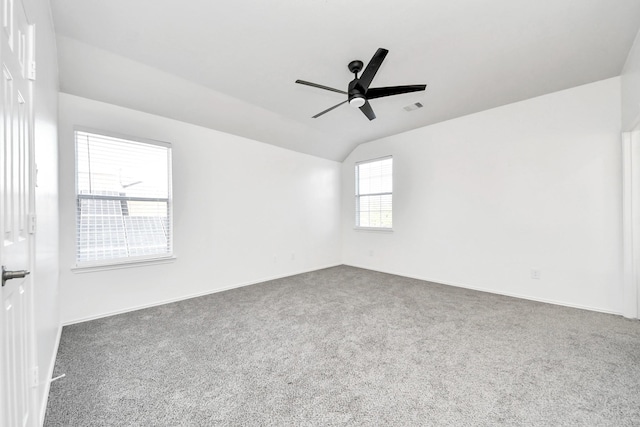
(491, 291)
(377, 159)
(388, 230)
(122, 264)
(47, 386)
(124, 137)
(196, 295)
(627, 225)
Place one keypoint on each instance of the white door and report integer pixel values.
(16, 322)
(631, 222)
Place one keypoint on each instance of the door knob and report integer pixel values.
(8, 275)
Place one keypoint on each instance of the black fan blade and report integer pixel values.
(302, 82)
(379, 92)
(368, 111)
(329, 109)
(372, 68)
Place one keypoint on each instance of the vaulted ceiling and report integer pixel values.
(231, 64)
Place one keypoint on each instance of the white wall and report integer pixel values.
(631, 88)
(481, 200)
(45, 276)
(242, 210)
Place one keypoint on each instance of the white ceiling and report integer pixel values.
(231, 64)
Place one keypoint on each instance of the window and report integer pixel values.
(123, 200)
(374, 193)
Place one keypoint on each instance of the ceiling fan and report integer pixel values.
(358, 92)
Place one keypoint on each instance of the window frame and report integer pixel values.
(358, 195)
(129, 261)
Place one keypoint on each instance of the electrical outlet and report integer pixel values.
(370, 253)
(535, 274)
(293, 257)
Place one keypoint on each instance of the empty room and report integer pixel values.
(320, 212)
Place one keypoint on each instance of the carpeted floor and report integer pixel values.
(346, 346)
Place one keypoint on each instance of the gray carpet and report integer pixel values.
(346, 346)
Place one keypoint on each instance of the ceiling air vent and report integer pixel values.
(413, 106)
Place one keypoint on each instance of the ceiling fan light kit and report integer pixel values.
(359, 93)
(357, 101)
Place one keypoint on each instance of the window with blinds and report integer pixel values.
(374, 193)
(123, 199)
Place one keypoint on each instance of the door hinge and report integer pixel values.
(32, 224)
(31, 74)
(35, 375)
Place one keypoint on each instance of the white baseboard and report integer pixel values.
(196, 295)
(491, 291)
(47, 386)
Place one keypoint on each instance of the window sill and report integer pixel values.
(384, 230)
(123, 264)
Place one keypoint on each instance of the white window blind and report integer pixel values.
(374, 193)
(123, 199)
